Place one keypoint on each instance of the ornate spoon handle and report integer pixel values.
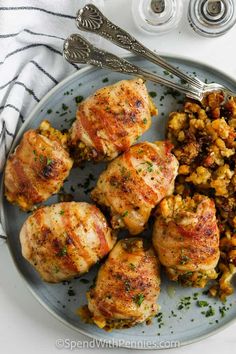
(79, 50)
(90, 19)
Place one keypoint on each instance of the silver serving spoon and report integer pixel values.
(90, 19)
(78, 50)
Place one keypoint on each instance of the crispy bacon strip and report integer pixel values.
(135, 182)
(65, 239)
(111, 120)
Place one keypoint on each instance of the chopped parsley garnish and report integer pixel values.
(56, 269)
(49, 111)
(125, 214)
(222, 311)
(184, 259)
(35, 154)
(202, 303)
(114, 182)
(149, 163)
(71, 292)
(159, 317)
(138, 299)
(62, 212)
(150, 166)
(127, 285)
(105, 80)
(152, 94)
(132, 266)
(184, 303)
(125, 173)
(86, 184)
(64, 107)
(62, 114)
(79, 99)
(49, 161)
(145, 121)
(172, 93)
(62, 252)
(84, 281)
(71, 121)
(162, 98)
(210, 312)
(205, 292)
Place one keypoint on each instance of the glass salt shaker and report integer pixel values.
(157, 16)
(212, 18)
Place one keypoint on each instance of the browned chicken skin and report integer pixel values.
(111, 120)
(135, 182)
(37, 168)
(127, 287)
(65, 240)
(186, 238)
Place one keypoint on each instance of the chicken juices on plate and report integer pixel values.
(135, 182)
(186, 238)
(126, 288)
(111, 120)
(65, 240)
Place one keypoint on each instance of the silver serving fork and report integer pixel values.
(79, 50)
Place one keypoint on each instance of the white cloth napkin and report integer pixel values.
(31, 63)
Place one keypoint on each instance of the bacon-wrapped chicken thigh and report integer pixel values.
(65, 240)
(135, 182)
(126, 288)
(38, 167)
(186, 238)
(111, 120)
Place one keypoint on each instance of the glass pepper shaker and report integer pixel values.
(157, 16)
(212, 18)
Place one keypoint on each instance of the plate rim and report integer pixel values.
(83, 71)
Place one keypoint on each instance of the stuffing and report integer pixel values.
(203, 135)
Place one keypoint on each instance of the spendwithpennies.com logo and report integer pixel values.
(69, 344)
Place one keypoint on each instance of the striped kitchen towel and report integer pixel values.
(31, 62)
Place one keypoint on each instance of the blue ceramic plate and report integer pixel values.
(181, 320)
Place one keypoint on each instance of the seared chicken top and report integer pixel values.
(186, 238)
(111, 120)
(65, 239)
(127, 286)
(135, 182)
(37, 168)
